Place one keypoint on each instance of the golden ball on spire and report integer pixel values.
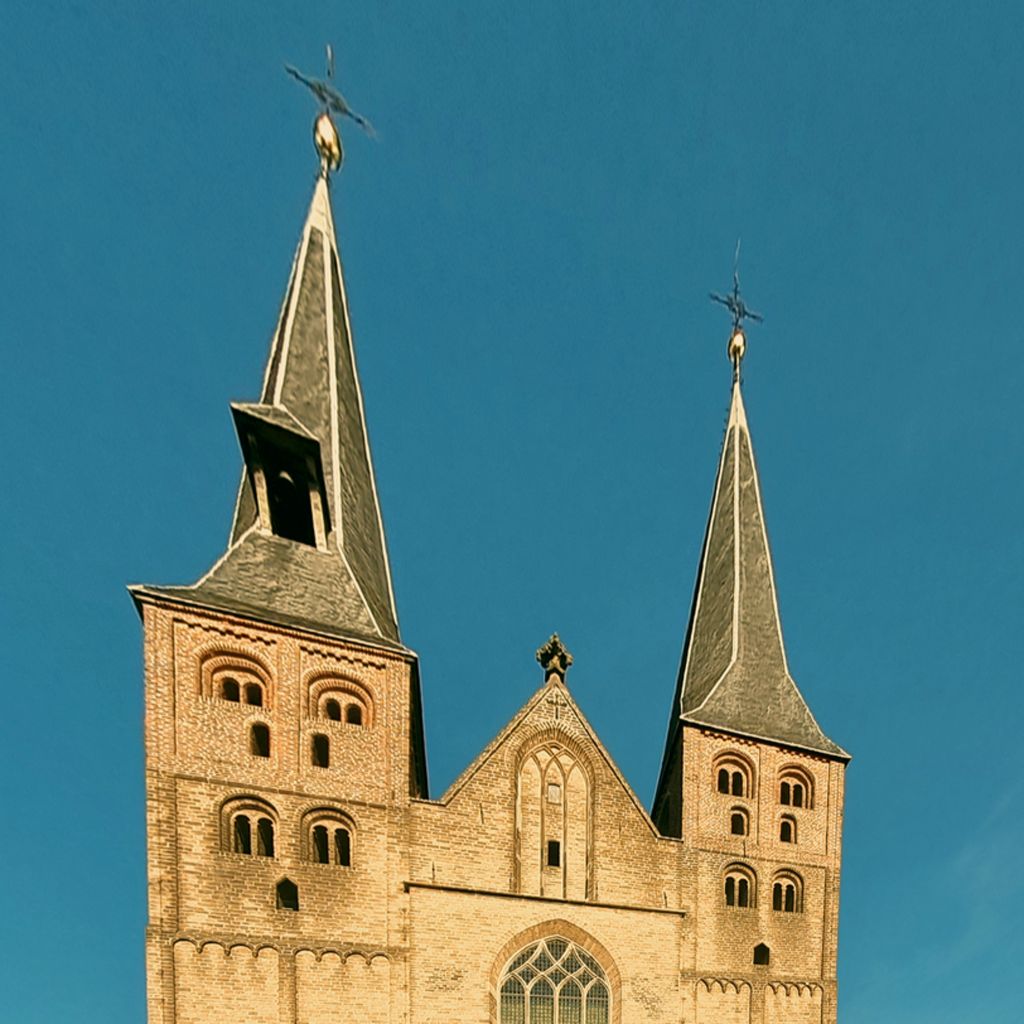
(328, 143)
(737, 346)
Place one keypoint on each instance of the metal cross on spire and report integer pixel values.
(733, 302)
(325, 134)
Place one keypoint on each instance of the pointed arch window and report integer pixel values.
(554, 981)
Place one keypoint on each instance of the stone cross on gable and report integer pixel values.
(555, 659)
(557, 701)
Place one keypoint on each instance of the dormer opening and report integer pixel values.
(283, 461)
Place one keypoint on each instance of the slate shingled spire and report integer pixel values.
(734, 674)
(310, 415)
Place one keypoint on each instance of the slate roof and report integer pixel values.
(734, 675)
(311, 387)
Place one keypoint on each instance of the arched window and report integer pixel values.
(287, 895)
(787, 829)
(734, 776)
(740, 887)
(234, 678)
(248, 827)
(259, 740)
(321, 751)
(739, 824)
(553, 982)
(795, 788)
(339, 699)
(762, 955)
(787, 893)
(329, 840)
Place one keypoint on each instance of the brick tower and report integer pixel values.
(299, 871)
(749, 780)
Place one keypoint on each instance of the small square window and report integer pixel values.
(554, 853)
(554, 793)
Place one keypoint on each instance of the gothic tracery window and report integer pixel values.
(554, 982)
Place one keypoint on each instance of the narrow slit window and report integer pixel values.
(730, 891)
(321, 751)
(343, 847)
(242, 835)
(554, 853)
(265, 837)
(259, 740)
(743, 893)
(320, 851)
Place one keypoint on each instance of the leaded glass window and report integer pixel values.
(554, 982)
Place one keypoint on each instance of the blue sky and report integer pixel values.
(529, 246)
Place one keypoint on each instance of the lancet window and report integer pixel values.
(554, 982)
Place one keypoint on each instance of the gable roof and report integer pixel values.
(556, 689)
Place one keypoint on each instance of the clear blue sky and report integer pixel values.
(529, 247)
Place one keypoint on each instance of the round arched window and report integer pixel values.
(554, 982)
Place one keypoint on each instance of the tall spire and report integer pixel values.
(307, 541)
(734, 674)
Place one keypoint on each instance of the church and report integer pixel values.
(301, 872)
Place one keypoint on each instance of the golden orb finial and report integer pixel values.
(328, 144)
(737, 348)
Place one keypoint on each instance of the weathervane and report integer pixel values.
(325, 134)
(735, 304)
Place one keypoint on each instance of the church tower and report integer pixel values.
(284, 737)
(300, 873)
(749, 781)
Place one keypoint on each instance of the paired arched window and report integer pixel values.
(740, 886)
(248, 828)
(787, 829)
(554, 982)
(795, 788)
(739, 822)
(733, 776)
(235, 679)
(340, 700)
(328, 838)
(787, 893)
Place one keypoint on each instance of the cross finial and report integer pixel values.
(325, 133)
(733, 302)
(555, 659)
